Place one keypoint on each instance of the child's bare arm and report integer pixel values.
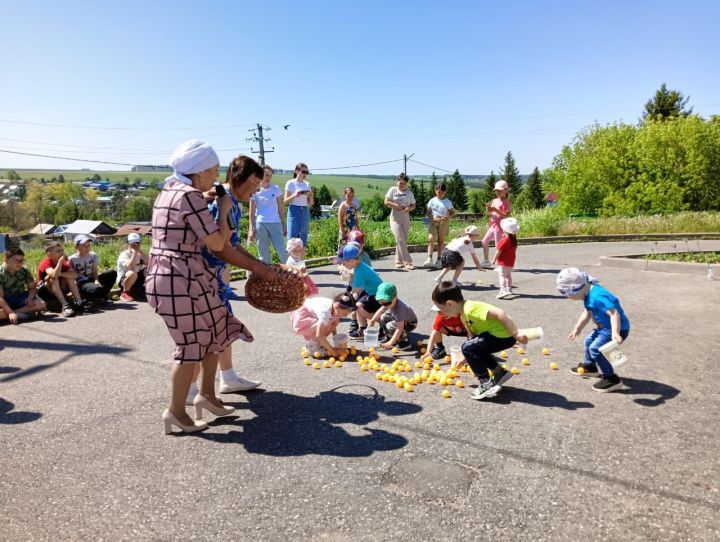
(396, 336)
(615, 325)
(322, 337)
(434, 335)
(477, 262)
(585, 317)
(376, 317)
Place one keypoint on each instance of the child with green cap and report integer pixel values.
(395, 316)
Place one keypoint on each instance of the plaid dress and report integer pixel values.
(180, 285)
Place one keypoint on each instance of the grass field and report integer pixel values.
(364, 186)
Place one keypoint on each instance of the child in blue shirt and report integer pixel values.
(364, 287)
(611, 324)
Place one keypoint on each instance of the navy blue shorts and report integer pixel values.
(17, 301)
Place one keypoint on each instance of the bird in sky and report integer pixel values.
(286, 126)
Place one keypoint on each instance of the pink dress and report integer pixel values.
(494, 231)
(179, 284)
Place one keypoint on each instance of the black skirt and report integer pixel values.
(451, 258)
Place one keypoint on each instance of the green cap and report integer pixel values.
(387, 291)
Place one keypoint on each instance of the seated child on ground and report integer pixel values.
(491, 330)
(452, 258)
(56, 278)
(318, 318)
(18, 290)
(451, 326)
(364, 287)
(94, 286)
(611, 324)
(131, 265)
(395, 316)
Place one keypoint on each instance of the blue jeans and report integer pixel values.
(298, 222)
(594, 341)
(270, 232)
(479, 351)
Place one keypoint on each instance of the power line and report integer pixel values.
(66, 158)
(359, 165)
(432, 167)
(122, 128)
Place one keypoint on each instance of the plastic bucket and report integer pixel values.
(533, 333)
(371, 336)
(340, 341)
(612, 352)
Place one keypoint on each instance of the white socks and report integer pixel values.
(229, 376)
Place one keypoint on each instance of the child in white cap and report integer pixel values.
(497, 209)
(611, 324)
(505, 255)
(131, 265)
(452, 258)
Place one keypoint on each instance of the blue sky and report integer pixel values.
(457, 83)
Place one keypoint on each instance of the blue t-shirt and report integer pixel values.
(366, 279)
(598, 301)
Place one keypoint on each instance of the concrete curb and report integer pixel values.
(637, 262)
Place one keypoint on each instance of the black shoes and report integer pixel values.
(587, 370)
(438, 352)
(607, 384)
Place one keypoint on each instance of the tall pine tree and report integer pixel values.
(421, 199)
(457, 191)
(533, 192)
(433, 183)
(511, 175)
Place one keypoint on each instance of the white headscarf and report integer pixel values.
(191, 157)
(571, 280)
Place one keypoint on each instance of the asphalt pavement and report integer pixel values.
(335, 455)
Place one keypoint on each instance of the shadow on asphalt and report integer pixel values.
(633, 386)
(533, 296)
(4, 370)
(537, 271)
(72, 350)
(291, 425)
(7, 417)
(538, 398)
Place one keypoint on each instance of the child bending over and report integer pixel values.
(318, 318)
(611, 324)
(396, 317)
(491, 330)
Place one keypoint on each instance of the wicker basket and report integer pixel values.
(285, 294)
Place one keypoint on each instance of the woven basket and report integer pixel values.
(285, 294)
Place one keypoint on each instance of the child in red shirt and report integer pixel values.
(451, 326)
(505, 255)
(55, 277)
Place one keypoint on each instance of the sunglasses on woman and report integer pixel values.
(304, 171)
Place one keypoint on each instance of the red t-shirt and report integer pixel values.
(506, 256)
(453, 324)
(46, 264)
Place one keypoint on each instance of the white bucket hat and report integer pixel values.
(510, 225)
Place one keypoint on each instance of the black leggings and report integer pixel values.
(479, 351)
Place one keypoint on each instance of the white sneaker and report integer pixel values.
(428, 262)
(240, 384)
(500, 294)
(438, 263)
(485, 264)
(457, 283)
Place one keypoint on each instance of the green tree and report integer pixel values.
(61, 178)
(533, 192)
(12, 175)
(67, 213)
(477, 203)
(457, 191)
(375, 208)
(433, 182)
(324, 197)
(137, 210)
(487, 193)
(511, 175)
(315, 209)
(422, 196)
(666, 104)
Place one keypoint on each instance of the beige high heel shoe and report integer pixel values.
(201, 403)
(171, 420)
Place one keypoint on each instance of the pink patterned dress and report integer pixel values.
(179, 284)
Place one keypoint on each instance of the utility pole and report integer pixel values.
(257, 137)
(405, 161)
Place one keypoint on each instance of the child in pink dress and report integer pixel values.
(318, 318)
(497, 209)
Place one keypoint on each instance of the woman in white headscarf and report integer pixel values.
(180, 285)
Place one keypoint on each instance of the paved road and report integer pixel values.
(335, 455)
